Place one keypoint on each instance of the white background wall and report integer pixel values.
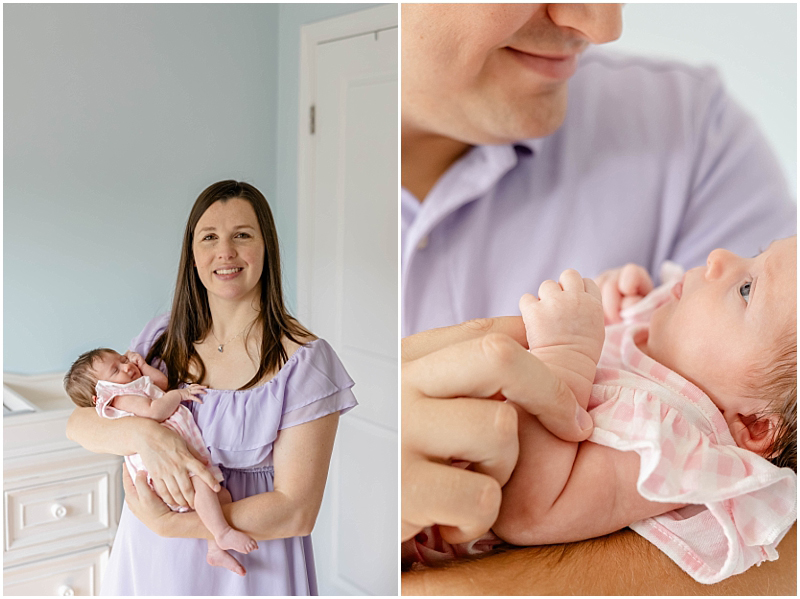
(116, 116)
(754, 46)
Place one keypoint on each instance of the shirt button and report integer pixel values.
(423, 243)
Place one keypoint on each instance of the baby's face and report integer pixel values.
(727, 318)
(115, 368)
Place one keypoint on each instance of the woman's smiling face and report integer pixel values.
(229, 250)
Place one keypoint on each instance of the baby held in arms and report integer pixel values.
(693, 393)
(119, 386)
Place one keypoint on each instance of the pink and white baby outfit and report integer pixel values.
(741, 505)
(181, 422)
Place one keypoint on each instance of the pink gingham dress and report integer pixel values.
(181, 422)
(741, 505)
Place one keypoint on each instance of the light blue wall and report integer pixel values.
(292, 18)
(115, 118)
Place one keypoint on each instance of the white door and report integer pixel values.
(348, 283)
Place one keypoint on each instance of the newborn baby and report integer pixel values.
(693, 396)
(125, 385)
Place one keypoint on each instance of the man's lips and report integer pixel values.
(562, 66)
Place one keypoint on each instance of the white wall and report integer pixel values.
(754, 46)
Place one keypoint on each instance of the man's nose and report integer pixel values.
(598, 23)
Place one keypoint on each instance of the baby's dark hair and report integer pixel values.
(79, 382)
(779, 386)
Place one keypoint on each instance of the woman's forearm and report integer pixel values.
(264, 516)
(101, 435)
(620, 564)
(301, 457)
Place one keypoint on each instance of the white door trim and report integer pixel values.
(357, 23)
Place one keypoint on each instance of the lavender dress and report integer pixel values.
(239, 428)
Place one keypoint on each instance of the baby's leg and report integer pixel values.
(223, 559)
(208, 508)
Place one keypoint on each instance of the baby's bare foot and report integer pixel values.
(236, 540)
(222, 559)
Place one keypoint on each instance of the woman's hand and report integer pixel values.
(169, 461)
(449, 378)
(621, 288)
(145, 504)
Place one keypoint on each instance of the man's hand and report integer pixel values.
(621, 288)
(451, 381)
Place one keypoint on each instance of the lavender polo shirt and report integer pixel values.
(654, 161)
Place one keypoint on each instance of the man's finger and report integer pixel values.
(497, 365)
(426, 342)
(447, 430)
(465, 503)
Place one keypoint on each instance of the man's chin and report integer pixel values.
(527, 118)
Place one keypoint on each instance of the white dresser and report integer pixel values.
(61, 503)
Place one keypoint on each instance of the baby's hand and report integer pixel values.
(136, 359)
(567, 313)
(564, 327)
(621, 288)
(192, 393)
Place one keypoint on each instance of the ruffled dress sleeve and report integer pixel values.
(317, 385)
(241, 426)
(741, 505)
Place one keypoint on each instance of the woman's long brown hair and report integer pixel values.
(190, 321)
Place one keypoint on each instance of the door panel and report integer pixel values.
(348, 287)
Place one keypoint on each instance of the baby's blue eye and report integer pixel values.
(744, 291)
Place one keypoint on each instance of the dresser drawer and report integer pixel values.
(75, 574)
(42, 514)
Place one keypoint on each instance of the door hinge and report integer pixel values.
(312, 119)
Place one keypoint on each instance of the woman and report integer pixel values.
(269, 416)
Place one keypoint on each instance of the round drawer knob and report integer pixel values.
(66, 590)
(59, 511)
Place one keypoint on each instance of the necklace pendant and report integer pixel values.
(219, 349)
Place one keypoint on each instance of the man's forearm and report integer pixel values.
(620, 564)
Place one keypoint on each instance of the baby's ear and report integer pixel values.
(756, 433)
(94, 399)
